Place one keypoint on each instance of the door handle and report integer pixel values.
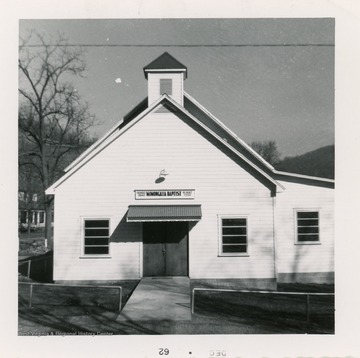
(163, 251)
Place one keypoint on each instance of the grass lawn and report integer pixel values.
(93, 311)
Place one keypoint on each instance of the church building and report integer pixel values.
(171, 191)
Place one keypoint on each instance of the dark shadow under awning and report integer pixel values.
(144, 213)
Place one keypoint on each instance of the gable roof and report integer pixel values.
(222, 130)
(165, 62)
(119, 129)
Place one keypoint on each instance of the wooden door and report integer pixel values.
(165, 249)
(154, 237)
(176, 261)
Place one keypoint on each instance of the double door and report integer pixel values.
(165, 249)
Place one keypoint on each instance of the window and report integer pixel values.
(96, 236)
(307, 226)
(166, 86)
(23, 217)
(41, 217)
(233, 236)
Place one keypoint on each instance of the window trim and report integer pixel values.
(220, 236)
(302, 210)
(82, 248)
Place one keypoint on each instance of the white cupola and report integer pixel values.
(165, 75)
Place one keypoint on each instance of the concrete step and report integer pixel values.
(159, 298)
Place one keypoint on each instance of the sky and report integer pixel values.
(266, 79)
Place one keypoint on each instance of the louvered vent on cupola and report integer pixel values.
(165, 75)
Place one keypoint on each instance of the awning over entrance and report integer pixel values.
(144, 213)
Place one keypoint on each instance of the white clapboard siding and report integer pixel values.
(154, 86)
(304, 258)
(105, 187)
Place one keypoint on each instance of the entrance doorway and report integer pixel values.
(165, 250)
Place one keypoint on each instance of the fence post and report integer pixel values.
(120, 300)
(29, 267)
(193, 301)
(31, 294)
(307, 308)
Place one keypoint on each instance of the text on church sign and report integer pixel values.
(165, 194)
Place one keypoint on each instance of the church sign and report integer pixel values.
(165, 194)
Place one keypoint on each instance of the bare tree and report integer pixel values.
(53, 121)
(268, 150)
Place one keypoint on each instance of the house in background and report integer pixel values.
(31, 215)
(171, 191)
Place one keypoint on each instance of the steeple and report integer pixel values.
(165, 75)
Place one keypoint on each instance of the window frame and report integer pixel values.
(220, 235)
(83, 255)
(306, 210)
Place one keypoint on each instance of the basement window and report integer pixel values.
(166, 86)
(307, 227)
(96, 236)
(233, 236)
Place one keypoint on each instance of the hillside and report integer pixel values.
(319, 162)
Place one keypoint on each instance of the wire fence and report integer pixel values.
(304, 294)
(68, 294)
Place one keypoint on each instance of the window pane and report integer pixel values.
(233, 222)
(234, 231)
(308, 222)
(96, 241)
(96, 223)
(302, 238)
(308, 215)
(234, 248)
(234, 239)
(308, 230)
(96, 232)
(96, 250)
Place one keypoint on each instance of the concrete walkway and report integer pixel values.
(164, 298)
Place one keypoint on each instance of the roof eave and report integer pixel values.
(165, 70)
(302, 176)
